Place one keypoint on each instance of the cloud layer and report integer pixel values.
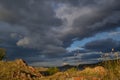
(50, 26)
(104, 45)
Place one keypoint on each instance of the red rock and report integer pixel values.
(79, 78)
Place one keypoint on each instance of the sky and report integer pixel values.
(53, 32)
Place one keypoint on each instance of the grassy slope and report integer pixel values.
(18, 70)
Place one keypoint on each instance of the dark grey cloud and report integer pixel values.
(86, 58)
(90, 19)
(75, 53)
(29, 12)
(91, 56)
(46, 28)
(76, 2)
(49, 26)
(104, 45)
(34, 20)
(14, 52)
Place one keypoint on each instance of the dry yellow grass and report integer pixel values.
(18, 70)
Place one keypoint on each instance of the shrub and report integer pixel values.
(72, 69)
(52, 70)
(2, 53)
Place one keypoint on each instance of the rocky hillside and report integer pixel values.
(17, 70)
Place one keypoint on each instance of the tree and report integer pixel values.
(2, 53)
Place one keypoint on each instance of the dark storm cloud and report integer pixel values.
(90, 19)
(24, 11)
(104, 45)
(75, 52)
(86, 58)
(76, 2)
(51, 25)
(91, 56)
(14, 52)
(35, 17)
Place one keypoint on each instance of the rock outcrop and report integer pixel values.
(18, 70)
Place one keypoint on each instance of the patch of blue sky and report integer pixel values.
(78, 44)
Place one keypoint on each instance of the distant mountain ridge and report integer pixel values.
(83, 66)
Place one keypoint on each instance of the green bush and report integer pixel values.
(2, 53)
(72, 69)
(52, 70)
